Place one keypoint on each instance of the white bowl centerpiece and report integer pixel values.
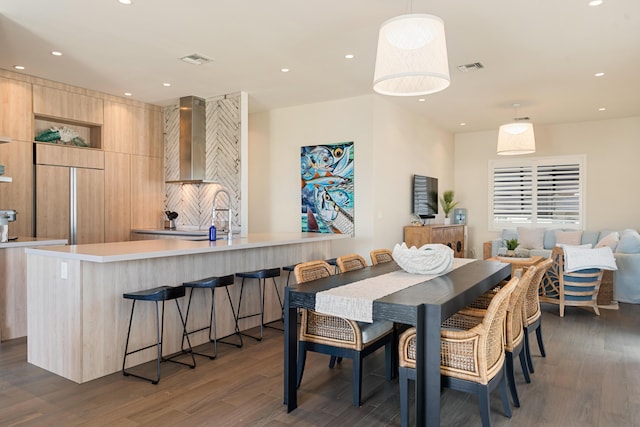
(432, 258)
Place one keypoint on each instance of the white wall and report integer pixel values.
(390, 145)
(612, 149)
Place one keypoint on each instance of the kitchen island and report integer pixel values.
(13, 284)
(78, 319)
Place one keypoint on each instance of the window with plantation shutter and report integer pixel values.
(546, 192)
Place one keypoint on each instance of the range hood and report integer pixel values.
(192, 145)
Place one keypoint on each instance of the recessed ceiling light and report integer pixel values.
(421, 100)
(349, 56)
(284, 70)
(19, 67)
(602, 109)
(595, 2)
(599, 74)
(127, 94)
(463, 124)
(125, 2)
(166, 84)
(56, 53)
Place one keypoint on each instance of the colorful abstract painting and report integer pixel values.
(327, 188)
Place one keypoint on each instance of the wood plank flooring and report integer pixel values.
(590, 377)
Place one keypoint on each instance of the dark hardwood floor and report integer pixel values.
(590, 377)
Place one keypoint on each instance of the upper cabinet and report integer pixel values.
(15, 110)
(118, 125)
(132, 130)
(58, 104)
(148, 132)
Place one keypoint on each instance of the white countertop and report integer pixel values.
(24, 242)
(173, 232)
(145, 249)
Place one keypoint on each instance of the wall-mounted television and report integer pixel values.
(425, 196)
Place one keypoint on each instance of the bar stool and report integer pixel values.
(262, 276)
(289, 269)
(212, 283)
(161, 293)
(334, 263)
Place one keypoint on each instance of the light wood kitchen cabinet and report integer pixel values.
(17, 158)
(56, 103)
(15, 110)
(147, 132)
(118, 127)
(147, 198)
(117, 197)
(450, 235)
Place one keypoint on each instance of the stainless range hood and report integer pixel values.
(192, 150)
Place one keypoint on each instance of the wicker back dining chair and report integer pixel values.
(380, 256)
(514, 327)
(339, 337)
(471, 355)
(350, 262)
(579, 288)
(532, 314)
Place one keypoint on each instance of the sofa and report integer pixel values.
(625, 245)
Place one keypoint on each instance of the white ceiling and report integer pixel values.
(542, 54)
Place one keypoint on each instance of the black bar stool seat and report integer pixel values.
(161, 293)
(262, 276)
(212, 283)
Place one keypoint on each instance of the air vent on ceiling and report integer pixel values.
(195, 59)
(470, 67)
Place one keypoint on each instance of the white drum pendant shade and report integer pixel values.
(516, 138)
(412, 56)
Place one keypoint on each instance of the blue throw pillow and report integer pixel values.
(629, 243)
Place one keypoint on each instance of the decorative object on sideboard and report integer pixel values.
(61, 135)
(460, 216)
(516, 137)
(447, 204)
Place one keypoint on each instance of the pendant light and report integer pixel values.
(516, 137)
(412, 56)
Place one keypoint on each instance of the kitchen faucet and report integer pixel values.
(213, 211)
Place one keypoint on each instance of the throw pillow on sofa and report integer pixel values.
(572, 238)
(530, 238)
(629, 243)
(610, 240)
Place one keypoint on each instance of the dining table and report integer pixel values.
(424, 305)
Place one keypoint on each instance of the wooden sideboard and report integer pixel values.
(450, 235)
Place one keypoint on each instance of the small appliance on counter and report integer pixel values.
(6, 216)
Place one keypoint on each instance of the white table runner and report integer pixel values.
(355, 300)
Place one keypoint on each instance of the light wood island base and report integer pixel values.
(78, 325)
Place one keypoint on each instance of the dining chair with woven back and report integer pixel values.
(350, 262)
(472, 356)
(533, 314)
(337, 336)
(514, 326)
(380, 256)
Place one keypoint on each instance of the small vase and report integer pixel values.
(511, 253)
(447, 221)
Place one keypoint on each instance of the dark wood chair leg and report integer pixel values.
(357, 378)
(511, 379)
(483, 401)
(540, 343)
(523, 363)
(503, 394)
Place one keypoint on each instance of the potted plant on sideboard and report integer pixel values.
(447, 204)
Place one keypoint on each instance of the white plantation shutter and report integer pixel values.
(538, 192)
